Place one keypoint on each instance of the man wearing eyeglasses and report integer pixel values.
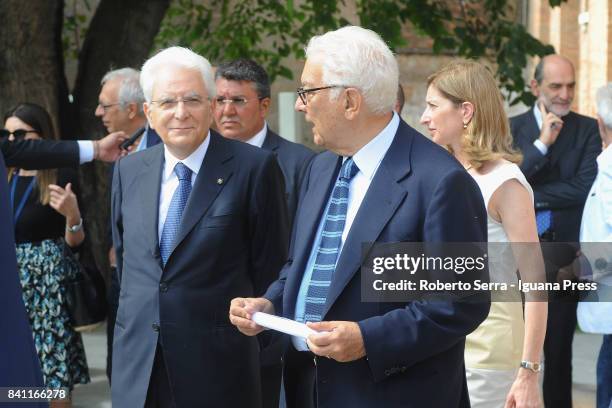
(240, 109)
(120, 107)
(380, 181)
(195, 221)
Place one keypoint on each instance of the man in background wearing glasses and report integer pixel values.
(240, 109)
(195, 221)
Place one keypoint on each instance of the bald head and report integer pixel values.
(554, 84)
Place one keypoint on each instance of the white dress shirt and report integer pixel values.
(170, 181)
(538, 143)
(368, 160)
(259, 137)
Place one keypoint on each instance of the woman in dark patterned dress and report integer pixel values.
(47, 217)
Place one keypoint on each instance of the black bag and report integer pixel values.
(85, 296)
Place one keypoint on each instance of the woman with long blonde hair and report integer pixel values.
(465, 114)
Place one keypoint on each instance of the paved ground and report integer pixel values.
(97, 393)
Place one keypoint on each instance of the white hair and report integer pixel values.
(129, 87)
(604, 104)
(356, 57)
(176, 57)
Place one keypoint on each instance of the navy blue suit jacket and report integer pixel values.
(561, 179)
(293, 159)
(415, 349)
(232, 241)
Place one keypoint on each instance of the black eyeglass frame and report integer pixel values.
(301, 92)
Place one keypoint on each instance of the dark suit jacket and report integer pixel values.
(40, 154)
(561, 180)
(415, 349)
(293, 159)
(20, 366)
(231, 242)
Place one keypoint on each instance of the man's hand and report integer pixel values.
(241, 310)
(341, 341)
(551, 126)
(108, 148)
(525, 391)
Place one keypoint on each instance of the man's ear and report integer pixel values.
(353, 101)
(264, 107)
(132, 109)
(535, 88)
(147, 111)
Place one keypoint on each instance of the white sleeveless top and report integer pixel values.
(498, 342)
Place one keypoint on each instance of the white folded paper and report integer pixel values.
(282, 324)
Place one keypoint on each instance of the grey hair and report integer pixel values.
(129, 87)
(176, 57)
(356, 57)
(604, 104)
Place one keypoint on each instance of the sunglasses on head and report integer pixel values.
(17, 133)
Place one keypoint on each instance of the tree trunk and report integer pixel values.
(120, 35)
(31, 60)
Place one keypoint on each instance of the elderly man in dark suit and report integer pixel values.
(559, 160)
(196, 221)
(380, 182)
(240, 109)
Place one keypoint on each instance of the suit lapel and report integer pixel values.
(530, 127)
(384, 196)
(149, 185)
(214, 174)
(271, 141)
(322, 180)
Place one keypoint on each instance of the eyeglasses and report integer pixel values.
(106, 107)
(17, 133)
(237, 102)
(303, 93)
(170, 104)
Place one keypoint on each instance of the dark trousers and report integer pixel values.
(270, 385)
(558, 352)
(159, 394)
(112, 299)
(299, 376)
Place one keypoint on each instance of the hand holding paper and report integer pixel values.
(282, 324)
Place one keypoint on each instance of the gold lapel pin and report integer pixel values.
(219, 181)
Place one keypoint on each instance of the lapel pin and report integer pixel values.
(219, 181)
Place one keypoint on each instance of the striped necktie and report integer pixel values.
(175, 211)
(329, 244)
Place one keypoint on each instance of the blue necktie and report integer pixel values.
(543, 221)
(175, 211)
(329, 244)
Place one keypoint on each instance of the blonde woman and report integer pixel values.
(465, 114)
(46, 218)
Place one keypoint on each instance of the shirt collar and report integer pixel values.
(368, 158)
(193, 161)
(259, 137)
(538, 116)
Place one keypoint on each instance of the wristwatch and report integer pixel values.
(535, 367)
(75, 228)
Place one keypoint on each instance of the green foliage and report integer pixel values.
(75, 25)
(269, 31)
